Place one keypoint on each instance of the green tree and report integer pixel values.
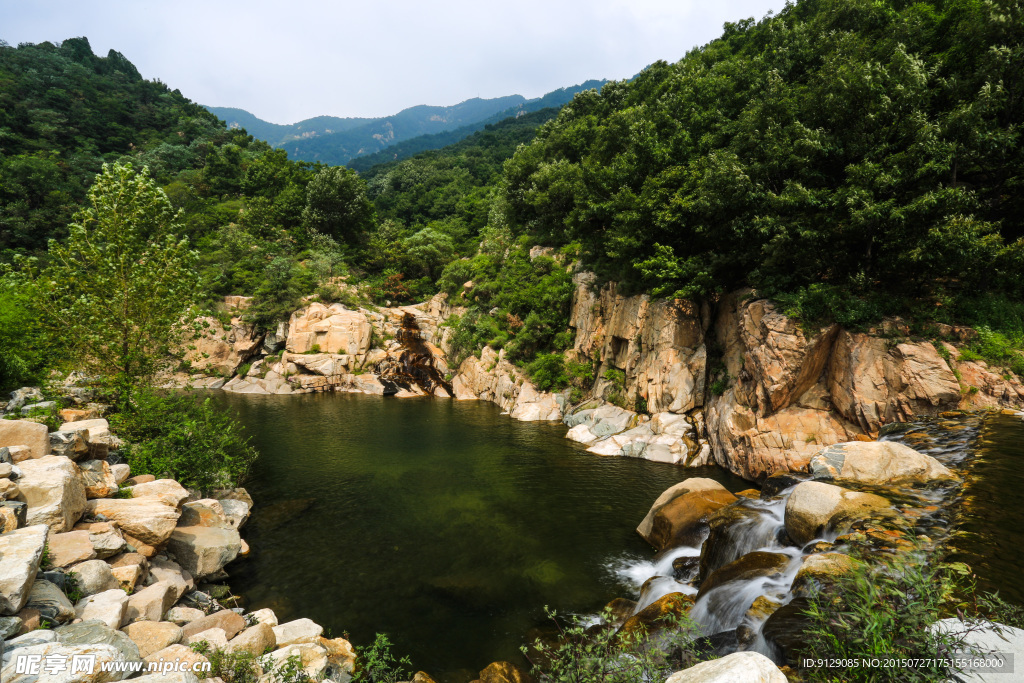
(337, 205)
(119, 291)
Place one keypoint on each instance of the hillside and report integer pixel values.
(277, 134)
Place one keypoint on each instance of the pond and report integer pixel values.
(444, 524)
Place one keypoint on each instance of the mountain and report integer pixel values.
(336, 141)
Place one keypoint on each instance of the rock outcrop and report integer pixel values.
(492, 378)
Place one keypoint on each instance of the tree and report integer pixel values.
(337, 205)
(119, 291)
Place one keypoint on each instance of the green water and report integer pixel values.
(442, 523)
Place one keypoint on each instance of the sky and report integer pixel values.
(285, 62)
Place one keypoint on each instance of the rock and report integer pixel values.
(106, 540)
(95, 576)
(312, 657)
(171, 573)
(167, 490)
(298, 631)
(332, 329)
(97, 428)
(52, 488)
(121, 472)
(205, 512)
(993, 638)
(69, 548)
(265, 616)
(504, 672)
(17, 453)
(140, 479)
(203, 551)
(815, 508)
(13, 515)
(72, 445)
(102, 655)
(8, 489)
(174, 677)
(33, 435)
(99, 480)
(236, 512)
(30, 619)
(785, 627)
(739, 667)
(821, 568)
(215, 639)
(221, 350)
(9, 627)
(176, 653)
(679, 515)
(879, 463)
(342, 656)
(230, 622)
(21, 551)
(658, 614)
(255, 640)
(127, 577)
(749, 566)
(109, 607)
(153, 636)
(51, 602)
(23, 396)
(137, 546)
(149, 520)
(183, 615)
(150, 603)
(95, 633)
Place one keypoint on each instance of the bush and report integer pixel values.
(244, 667)
(378, 665)
(182, 438)
(548, 372)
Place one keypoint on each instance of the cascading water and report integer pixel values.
(416, 365)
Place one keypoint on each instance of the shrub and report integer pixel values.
(186, 439)
(548, 372)
(378, 665)
(244, 667)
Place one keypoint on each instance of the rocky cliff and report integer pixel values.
(736, 382)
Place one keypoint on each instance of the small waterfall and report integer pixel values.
(416, 364)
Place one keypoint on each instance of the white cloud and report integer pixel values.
(289, 61)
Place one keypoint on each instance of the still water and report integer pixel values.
(444, 524)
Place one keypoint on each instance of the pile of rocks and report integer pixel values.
(96, 562)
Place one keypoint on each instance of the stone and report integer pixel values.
(137, 546)
(105, 538)
(236, 512)
(749, 566)
(121, 472)
(30, 620)
(140, 479)
(109, 607)
(99, 480)
(149, 520)
(181, 615)
(127, 577)
(230, 622)
(739, 667)
(297, 631)
(993, 638)
(98, 429)
(215, 639)
(203, 551)
(878, 463)
(72, 445)
(51, 602)
(94, 633)
(504, 672)
(239, 494)
(9, 627)
(24, 395)
(13, 515)
(204, 512)
(167, 490)
(150, 603)
(340, 654)
(679, 515)
(174, 677)
(312, 657)
(21, 551)
(70, 547)
(265, 616)
(103, 655)
(815, 508)
(176, 653)
(821, 568)
(220, 349)
(171, 573)
(95, 576)
(255, 640)
(332, 329)
(658, 614)
(33, 435)
(52, 488)
(8, 489)
(153, 636)
(18, 453)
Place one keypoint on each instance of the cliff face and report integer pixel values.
(742, 385)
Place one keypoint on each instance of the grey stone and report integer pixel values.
(95, 631)
(51, 602)
(94, 576)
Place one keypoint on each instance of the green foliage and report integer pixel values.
(72, 587)
(336, 204)
(615, 393)
(547, 371)
(603, 655)
(116, 292)
(376, 663)
(182, 438)
(245, 667)
(997, 349)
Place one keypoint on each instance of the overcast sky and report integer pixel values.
(289, 61)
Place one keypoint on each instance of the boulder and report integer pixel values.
(17, 453)
(504, 672)
(72, 445)
(658, 614)
(254, 640)
(33, 435)
(265, 616)
(150, 603)
(171, 573)
(21, 551)
(70, 547)
(183, 615)
(236, 512)
(121, 472)
(878, 463)
(153, 636)
(815, 508)
(102, 655)
(106, 540)
(821, 568)
(52, 488)
(176, 653)
(203, 551)
(332, 329)
(312, 657)
(174, 677)
(150, 520)
(51, 602)
(167, 490)
(749, 566)
(342, 656)
(109, 607)
(95, 633)
(99, 480)
(13, 515)
(98, 429)
(128, 577)
(214, 638)
(95, 576)
(230, 622)
(140, 547)
(204, 512)
(739, 667)
(679, 515)
(982, 639)
(8, 489)
(298, 631)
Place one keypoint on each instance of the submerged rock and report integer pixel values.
(658, 614)
(750, 566)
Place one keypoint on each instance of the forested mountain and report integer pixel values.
(277, 134)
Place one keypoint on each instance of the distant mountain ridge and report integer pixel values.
(336, 141)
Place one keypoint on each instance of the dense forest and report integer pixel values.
(850, 159)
